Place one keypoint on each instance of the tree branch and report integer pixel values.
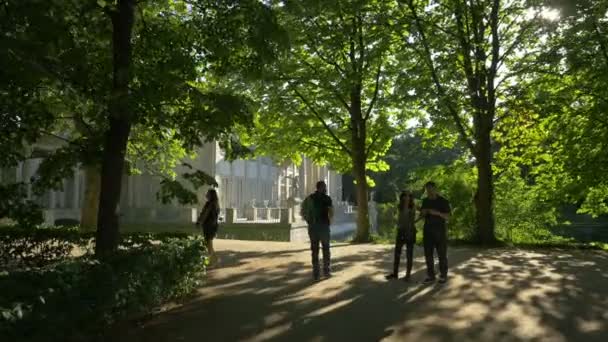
(320, 146)
(603, 47)
(375, 97)
(362, 63)
(351, 52)
(495, 58)
(328, 87)
(322, 121)
(57, 137)
(372, 143)
(440, 91)
(141, 14)
(315, 48)
(466, 49)
(343, 54)
(528, 68)
(516, 41)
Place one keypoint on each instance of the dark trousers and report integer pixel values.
(436, 238)
(400, 241)
(319, 233)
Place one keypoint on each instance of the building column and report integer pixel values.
(51, 199)
(19, 173)
(279, 186)
(310, 177)
(302, 178)
(76, 204)
(129, 191)
(245, 194)
(259, 192)
(61, 195)
(135, 193)
(230, 186)
(26, 174)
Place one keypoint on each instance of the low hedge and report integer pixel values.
(233, 231)
(36, 247)
(39, 246)
(74, 298)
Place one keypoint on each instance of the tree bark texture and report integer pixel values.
(117, 136)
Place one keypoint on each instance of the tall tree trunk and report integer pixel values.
(117, 136)
(362, 234)
(485, 186)
(359, 156)
(90, 204)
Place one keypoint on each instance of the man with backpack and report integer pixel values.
(317, 211)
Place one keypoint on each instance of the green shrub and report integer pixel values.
(522, 214)
(24, 246)
(77, 297)
(15, 206)
(39, 246)
(387, 218)
(234, 231)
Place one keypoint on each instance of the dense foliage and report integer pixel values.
(333, 94)
(513, 89)
(54, 297)
(115, 81)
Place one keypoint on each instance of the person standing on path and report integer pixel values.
(406, 235)
(317, 211)
(436, 211)
(208, 220)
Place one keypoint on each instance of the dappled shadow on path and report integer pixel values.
(492, 295)
(516, 295)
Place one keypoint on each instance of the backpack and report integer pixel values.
(306, 209)
(311, 210)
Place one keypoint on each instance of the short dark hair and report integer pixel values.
(321, 185)
(430, 184)
(213, 195)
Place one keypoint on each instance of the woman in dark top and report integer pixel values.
(406, 234)
(208, 219)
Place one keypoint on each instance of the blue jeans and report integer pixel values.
(319, 233)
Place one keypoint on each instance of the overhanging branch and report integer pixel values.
(375, 97)
(328, 87)
(440, 91)
(371, 145)
(320, 145)
(516, 41)
(321, 120)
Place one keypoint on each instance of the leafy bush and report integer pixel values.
(37, 247)
(522, 214)
(236, 231)
(24, 246)
(77, 297)
(525, 212)
(387, 218)
(15, 205)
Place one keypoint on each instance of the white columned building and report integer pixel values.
(242, 184)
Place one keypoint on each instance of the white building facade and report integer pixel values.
(242, 184)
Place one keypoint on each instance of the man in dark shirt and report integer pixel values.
(435, 210)
(317, 210)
